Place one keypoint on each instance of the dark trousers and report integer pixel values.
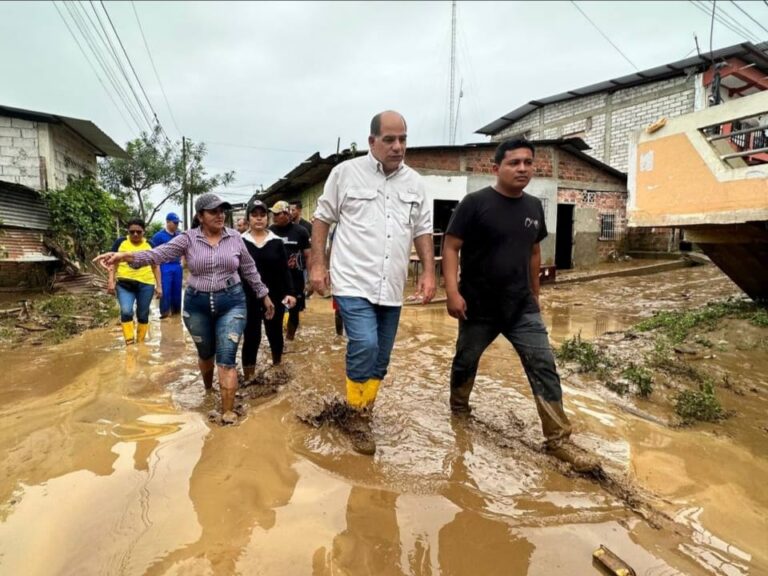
(528, 335)
(273, 328)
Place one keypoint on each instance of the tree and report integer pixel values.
(83, 217)
(156, 163)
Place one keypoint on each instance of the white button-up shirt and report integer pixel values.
(378, 217)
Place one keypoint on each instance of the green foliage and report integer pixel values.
(585, 354)
(83, 217)
(701, 404)
(153, 229)
(620, 388)
(62, 305)
(640, 377)
(156, 163)
(679, 324)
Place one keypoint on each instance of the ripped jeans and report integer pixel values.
(216, 321)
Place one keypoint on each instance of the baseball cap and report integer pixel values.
(172, 217)
(256, 204)
(280, 206)
(211, 201)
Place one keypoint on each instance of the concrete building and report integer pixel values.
(39, 151)
(582, 233)
(607, 114)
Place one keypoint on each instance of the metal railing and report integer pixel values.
(748, 141)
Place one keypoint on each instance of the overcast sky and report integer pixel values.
(294, 77)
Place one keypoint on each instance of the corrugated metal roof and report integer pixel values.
(87, 130)
(315, 169)
(750, 53)
(22, 207)
(24, 246)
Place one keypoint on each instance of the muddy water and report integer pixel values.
(109, 465)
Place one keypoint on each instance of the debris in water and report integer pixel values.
(613, 563)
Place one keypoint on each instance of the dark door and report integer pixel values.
(564, 242)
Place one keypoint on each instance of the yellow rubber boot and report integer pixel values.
(141, 332)
(370, 390)
(355, 393)
(128, 332)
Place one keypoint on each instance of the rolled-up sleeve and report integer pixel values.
(250, 273)
(328, 204)
(424, 220)
(167, 252)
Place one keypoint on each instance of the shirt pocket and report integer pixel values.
(359, 202)
(409, 206)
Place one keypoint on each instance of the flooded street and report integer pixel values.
(109, 465)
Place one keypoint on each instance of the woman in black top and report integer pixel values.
(268, 251)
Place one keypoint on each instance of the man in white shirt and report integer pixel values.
(380, 207)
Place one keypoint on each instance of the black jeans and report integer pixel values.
(273, 328)
(527, 333)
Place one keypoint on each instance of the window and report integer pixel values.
(588, 197)
(607, 227)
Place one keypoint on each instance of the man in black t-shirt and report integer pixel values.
(296, 242)
(495, 232)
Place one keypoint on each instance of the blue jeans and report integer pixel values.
(136, 293)
(215, 321)
(371, 331)
(171, 275)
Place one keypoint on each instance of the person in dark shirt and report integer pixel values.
(296, 242)
(268, 251)
(496, 234)
(170, 272)
(296, 218)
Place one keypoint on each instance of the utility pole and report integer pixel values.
(187, 220)
(451, 131)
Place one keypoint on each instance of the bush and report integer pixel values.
(641, 378)
(83, 218)
(585, 354)
(701, 404)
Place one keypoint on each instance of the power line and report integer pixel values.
(82, 26)
(712, 28)
(604, 35)
(104, 36)
(722, 21)
(157, 76)
(128, 58)
(93, 68)
(746, 32)
(748, 15)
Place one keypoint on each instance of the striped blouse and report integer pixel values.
(211, 268)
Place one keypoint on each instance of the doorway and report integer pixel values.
(564, 242)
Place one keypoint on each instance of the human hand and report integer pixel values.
(111, 287)
(318, 278)
(269, 308)
(293, 262)
(289, 302)
(427, 287)
(457, 306)
(109, 259)
(158, 292)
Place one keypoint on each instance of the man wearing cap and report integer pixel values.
(380, 207)
(171, 273)
(296, 242)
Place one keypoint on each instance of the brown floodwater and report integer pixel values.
(110, 466)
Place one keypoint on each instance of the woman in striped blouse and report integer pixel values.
(214, 302)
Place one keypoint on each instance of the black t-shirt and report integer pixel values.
(307, 226)
(498, 234)
(296, 241)
(272, 264)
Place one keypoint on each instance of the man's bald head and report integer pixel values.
(386, 116)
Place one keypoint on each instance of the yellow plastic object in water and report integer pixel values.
(612, 563)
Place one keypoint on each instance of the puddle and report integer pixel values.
(108, 464)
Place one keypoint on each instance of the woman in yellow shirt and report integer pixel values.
(134, 286)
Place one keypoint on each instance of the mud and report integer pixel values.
(109, 465)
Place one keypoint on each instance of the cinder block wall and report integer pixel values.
(19, 155)
(605, 121)
(72, 156)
